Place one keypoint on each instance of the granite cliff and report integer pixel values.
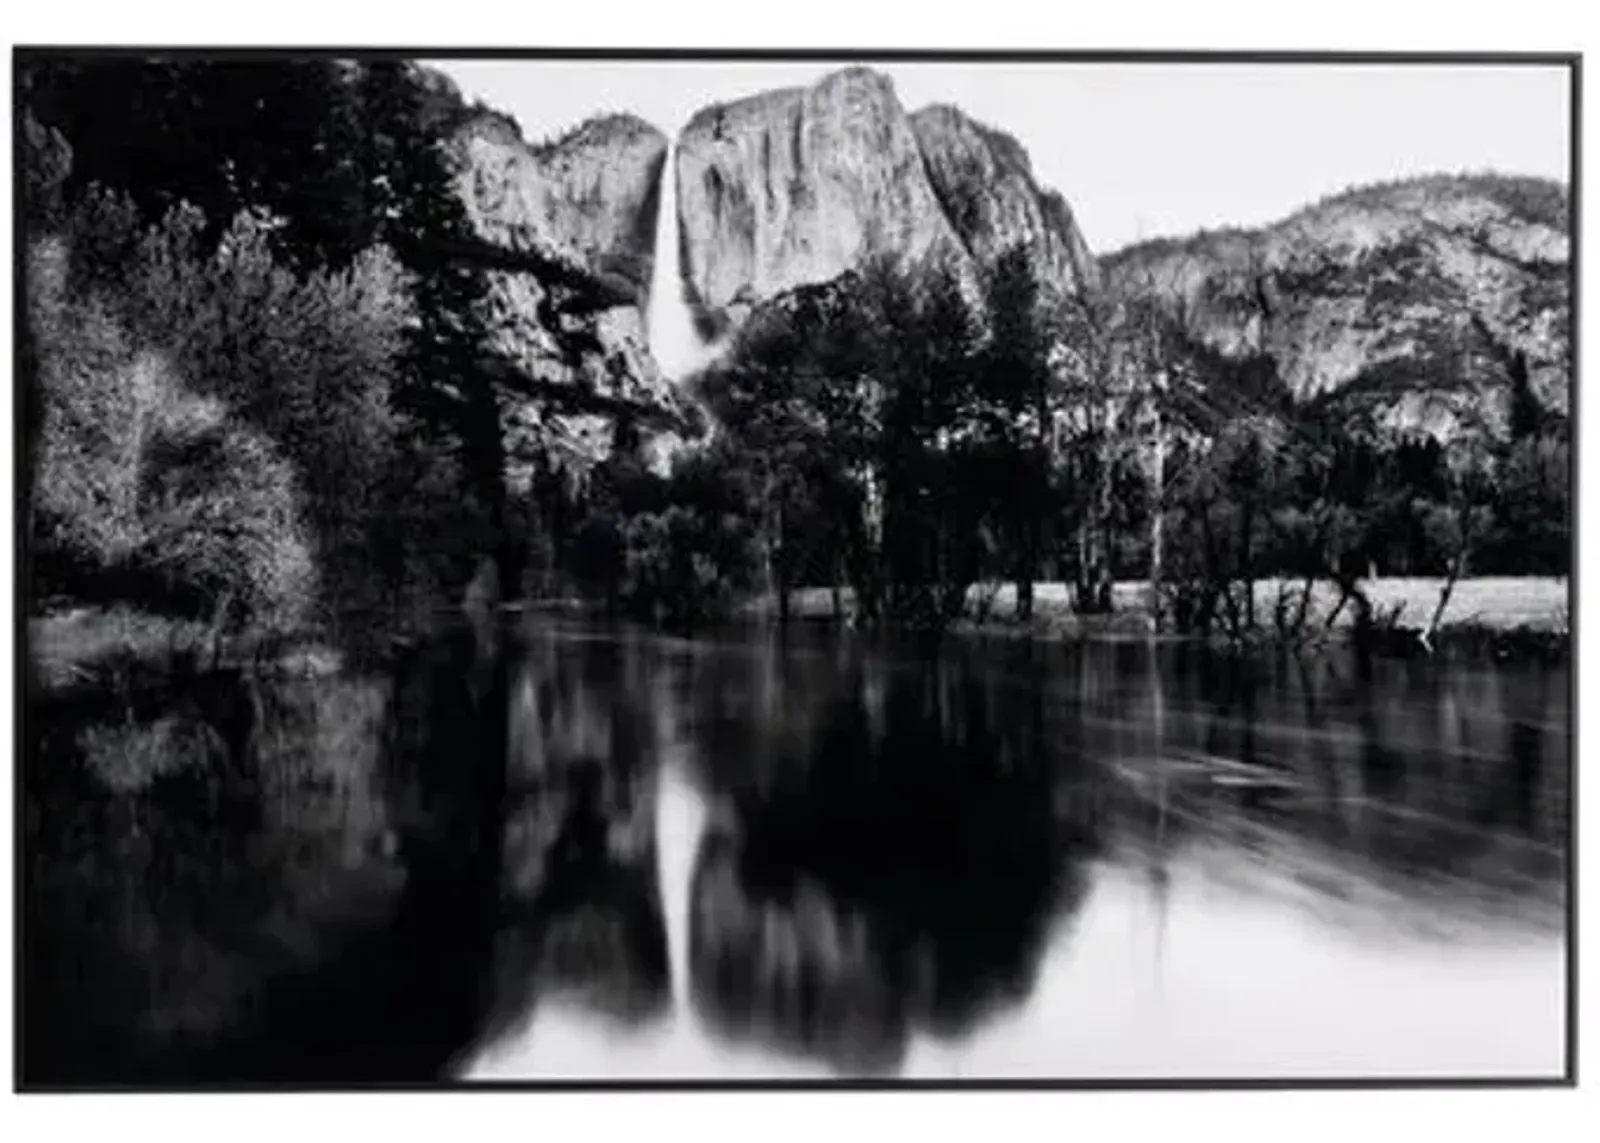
(567, 239)
(588, 196)
(797, 186)
(1416, 297)
(984, 181)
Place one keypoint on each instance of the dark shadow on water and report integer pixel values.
(891, 884)
(400, 1003)
(174, 934)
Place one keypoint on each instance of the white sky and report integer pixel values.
(1139, 150)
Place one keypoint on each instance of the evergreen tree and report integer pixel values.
(1015, 395)
(447, 388)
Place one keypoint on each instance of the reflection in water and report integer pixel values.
(602, 853)
(895, 883)
(582, 917)
(235, 881)
(680, 830)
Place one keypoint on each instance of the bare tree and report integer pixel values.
(1128, 361)
(1155, 329)
(1086, 357)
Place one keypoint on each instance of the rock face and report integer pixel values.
(797, 186)
(1418, 296)
(568, 233)
(589, 196)
(1410, 295)
(984, 182)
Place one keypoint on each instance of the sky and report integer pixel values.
(1139, 150)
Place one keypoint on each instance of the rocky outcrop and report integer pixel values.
(797, 186)
(1415, 296)
(1418, 296)
(588, 197)
(984, 182)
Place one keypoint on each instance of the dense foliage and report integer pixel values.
(147, 488)
(247, 283)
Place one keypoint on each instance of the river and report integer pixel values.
(762, 855)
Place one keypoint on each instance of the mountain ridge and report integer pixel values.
(1418, 288)
(1385, 288)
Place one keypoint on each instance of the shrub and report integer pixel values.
(89, 387)
(308, 361)
(148, 488)
(218, 510)
(682, 565)
(129, 758)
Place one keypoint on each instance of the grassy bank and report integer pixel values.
(73, 646)
(1531, 604)
(77, 645)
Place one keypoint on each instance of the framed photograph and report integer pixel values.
(568, 568)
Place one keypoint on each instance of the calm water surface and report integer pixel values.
(755, 856)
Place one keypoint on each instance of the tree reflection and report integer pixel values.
(1428, 776)
(243, 880)
(581, 918)
(402, 1001)
(891, 884)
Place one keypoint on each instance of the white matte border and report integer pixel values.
(1351, 25)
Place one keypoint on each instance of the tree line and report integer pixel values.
(920, 440)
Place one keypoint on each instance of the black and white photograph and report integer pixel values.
(868, 569)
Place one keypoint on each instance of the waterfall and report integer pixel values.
(680, 811)
(675, 343)
(680, 823)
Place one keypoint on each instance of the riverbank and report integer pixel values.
(76, 646)
(1536, 607)
(1493, 614)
